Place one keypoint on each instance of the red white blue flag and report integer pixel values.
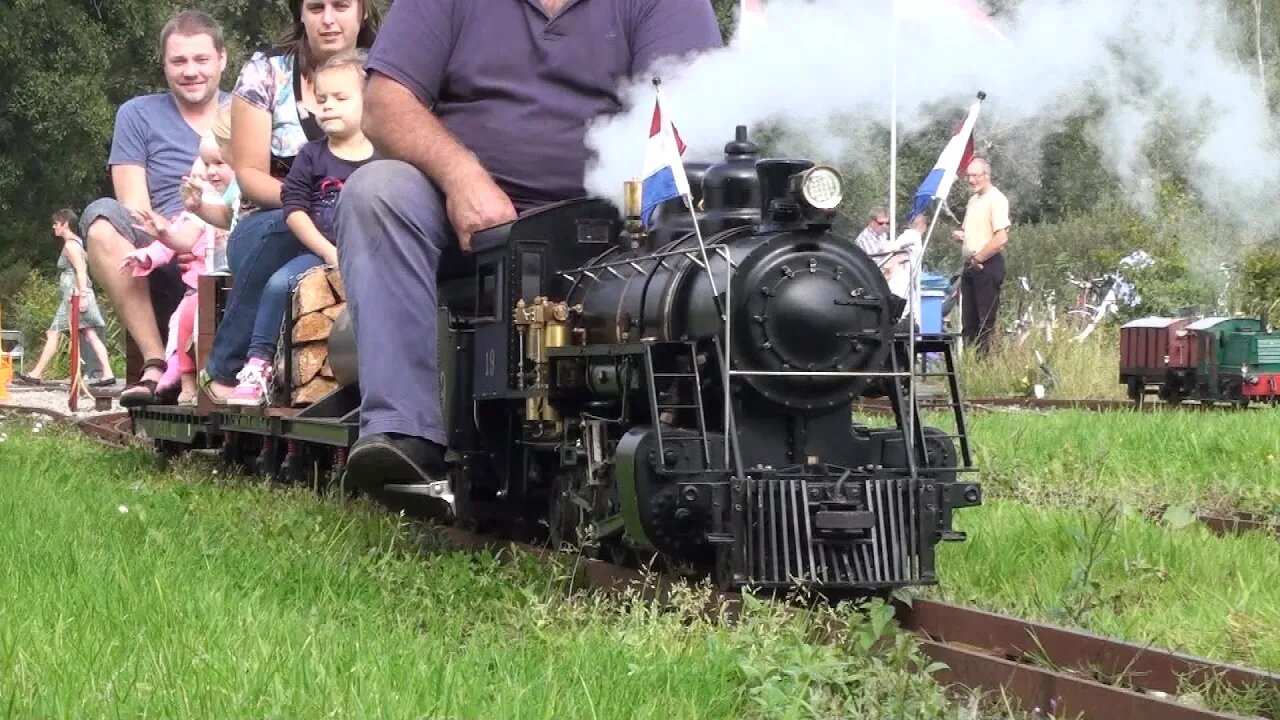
(664, 177)
(955, 157)
(751, 20)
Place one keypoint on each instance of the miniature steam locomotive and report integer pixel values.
(679, 391)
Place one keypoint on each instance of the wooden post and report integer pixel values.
(6, 366)
(211, 290)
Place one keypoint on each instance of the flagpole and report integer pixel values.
(909, 439)
(732, 452)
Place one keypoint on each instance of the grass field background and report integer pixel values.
(1216, 459)
(180, 592)
(132, 592)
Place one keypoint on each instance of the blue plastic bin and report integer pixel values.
(934, 281)
(933, 289)
(931, 311)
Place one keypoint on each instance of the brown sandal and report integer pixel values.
(144, 391)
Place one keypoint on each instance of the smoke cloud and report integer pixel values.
(822, 68)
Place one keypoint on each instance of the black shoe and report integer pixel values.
(384, 458)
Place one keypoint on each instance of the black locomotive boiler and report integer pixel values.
(671, 392)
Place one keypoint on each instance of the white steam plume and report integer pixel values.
(1134, 63)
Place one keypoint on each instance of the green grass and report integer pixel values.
(1219, 460)
(1116, 574)
(126, 592)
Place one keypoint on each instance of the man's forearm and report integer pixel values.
(993, 246)
(401, 128)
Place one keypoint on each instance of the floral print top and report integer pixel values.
(267, 83)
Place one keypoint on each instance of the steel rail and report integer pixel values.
(1093, 405)
(113, 429)
(1063, 672)
(1071, 671)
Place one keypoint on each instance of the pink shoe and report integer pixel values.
(172, 375)
(255, 384)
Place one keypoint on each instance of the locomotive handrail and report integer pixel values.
(721, 250)
(822, 373)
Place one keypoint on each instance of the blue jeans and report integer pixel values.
(392, 230)
(260, 245)
(266, 329)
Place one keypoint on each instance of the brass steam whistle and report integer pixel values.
(633, 192)
(542, 324)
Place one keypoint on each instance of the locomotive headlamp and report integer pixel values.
(820, 187)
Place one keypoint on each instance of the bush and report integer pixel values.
(1260, 280)
(35, 304)
(1185, 243)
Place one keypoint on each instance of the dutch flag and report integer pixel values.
(955, 157)
(751, 19)
(966, 15)
(664, 176)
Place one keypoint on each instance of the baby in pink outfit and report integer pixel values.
(187, 233)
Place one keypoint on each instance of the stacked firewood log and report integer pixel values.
(317, 302)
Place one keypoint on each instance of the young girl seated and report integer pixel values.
(186, 233)
(201, 193)
(309, 196)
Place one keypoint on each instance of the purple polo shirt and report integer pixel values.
(518, 89)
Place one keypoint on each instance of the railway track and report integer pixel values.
(116, 430)
(1029, 403)
(1061, 672)
(112, 429)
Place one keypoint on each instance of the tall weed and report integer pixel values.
(1066, 369)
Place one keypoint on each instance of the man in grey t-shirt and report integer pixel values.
(154, 145)
(484, 109)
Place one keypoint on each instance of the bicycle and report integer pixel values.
(1031, 318)
(1100, 297)
(1096, 302)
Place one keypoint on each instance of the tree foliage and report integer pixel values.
(66, 65)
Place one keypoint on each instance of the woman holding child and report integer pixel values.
(273, 116)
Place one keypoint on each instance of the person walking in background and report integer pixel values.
(73, 278)
(985, 233)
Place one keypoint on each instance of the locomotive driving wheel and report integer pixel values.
(564, 516)
(581, 516)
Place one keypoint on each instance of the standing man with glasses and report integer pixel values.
(986, 230)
